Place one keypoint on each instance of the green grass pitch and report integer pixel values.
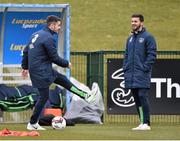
(115, 131)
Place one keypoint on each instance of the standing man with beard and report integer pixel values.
(139, 57)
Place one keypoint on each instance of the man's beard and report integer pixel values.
(136, 29)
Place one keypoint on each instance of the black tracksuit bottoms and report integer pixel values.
(44, 95)
(142, 104)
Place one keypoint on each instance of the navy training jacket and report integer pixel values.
(139, 57)
(38, 57)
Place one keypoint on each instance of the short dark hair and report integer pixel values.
(140, 16)
(52, 18)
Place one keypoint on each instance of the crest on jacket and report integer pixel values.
(31, 46)
(141, 40)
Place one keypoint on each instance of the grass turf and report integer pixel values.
(116, 131)
(105, 24)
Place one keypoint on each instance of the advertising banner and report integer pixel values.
(164, 94)
(19, 26)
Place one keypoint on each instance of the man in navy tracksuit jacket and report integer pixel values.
(38, 57)
(139, 57)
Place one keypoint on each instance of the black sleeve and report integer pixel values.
(24, 63)
(53, 55)
(151, 50)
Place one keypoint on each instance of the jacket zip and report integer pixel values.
(132, 78)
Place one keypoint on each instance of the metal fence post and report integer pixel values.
(95, 69)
